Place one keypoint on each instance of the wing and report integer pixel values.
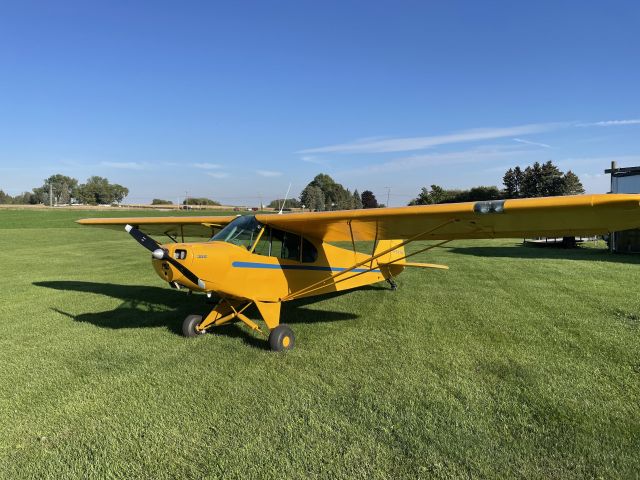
(550, 216)
(175, 226)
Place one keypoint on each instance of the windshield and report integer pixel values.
(242, 232)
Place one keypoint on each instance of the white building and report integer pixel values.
(625, 180)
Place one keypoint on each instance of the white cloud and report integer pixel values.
(577, 163)
(528, 142)
(123, 165)
(480, 155)
(268, 173)
(218, 174)
(419, 143)
(591, 176)
(312, 159)
(206, 166)
(610, 123)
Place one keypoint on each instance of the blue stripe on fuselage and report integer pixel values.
(298, 267)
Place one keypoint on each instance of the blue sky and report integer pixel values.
(234, 100)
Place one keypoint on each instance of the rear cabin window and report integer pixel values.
(289, 246)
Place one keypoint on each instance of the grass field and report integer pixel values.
(517, 362)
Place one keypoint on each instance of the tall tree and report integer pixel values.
(532, 181)
(25, 198)
(423, 198)
(5, 198)
(62, 187)
(369, 199)
(572, 184)
(118, 192)
(513, 182)
(357, 199)
(438, 194)
(537, 180)
(551, 180)
(98, 190)
(335, 195)
(95, 191)
(312, 197)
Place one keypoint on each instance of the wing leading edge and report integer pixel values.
(549, 216)
(201, 226)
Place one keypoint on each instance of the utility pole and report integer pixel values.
(388, 193)
(50, 194)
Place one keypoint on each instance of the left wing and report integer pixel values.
(527, 217)
(175, 226)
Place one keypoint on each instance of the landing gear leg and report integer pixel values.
(281, 336)
(392, 283)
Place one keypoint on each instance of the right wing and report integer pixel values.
(521, 218)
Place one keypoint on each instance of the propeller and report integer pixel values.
(160, 253)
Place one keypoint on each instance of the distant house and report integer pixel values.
(624, 180)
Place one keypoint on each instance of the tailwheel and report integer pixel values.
(281, 338)
(189, 326)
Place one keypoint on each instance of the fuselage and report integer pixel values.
(236, 271)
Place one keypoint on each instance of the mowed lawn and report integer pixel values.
(517, 362)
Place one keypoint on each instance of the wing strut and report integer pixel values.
(293, 295)
(323, 283)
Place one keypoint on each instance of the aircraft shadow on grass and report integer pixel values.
(547, 252)
(148, 307)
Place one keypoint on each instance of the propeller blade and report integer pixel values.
(161, 254)
(186, 272)
(147, 242)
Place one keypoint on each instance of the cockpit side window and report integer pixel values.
(243, 231)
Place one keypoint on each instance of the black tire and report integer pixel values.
(189, 326)
(281, 338)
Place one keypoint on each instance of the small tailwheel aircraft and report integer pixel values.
(266, 260)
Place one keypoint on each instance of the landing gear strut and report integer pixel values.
(281, 337)
(392, 283)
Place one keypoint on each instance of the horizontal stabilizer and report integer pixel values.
(420, 265)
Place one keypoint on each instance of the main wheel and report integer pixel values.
(281, 338)
(189, 326)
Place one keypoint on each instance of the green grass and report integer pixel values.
(517, 362)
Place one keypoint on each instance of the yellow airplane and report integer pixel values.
(265, 260)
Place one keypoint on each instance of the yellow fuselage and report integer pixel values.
(234, 272)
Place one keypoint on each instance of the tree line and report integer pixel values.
(60, 189)
(537, 180)
(322, 193)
